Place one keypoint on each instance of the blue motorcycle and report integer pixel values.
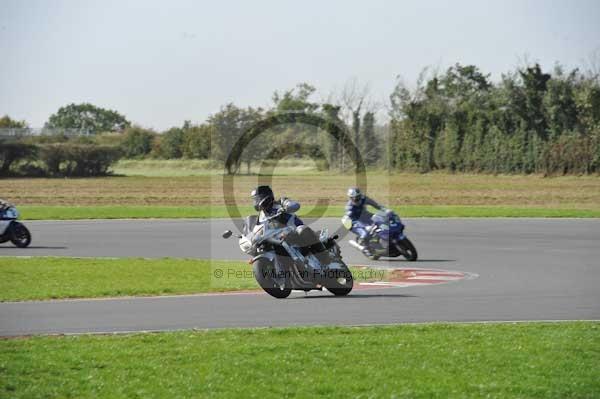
(386, 237)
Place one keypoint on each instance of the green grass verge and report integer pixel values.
(62, 277)
(31, 212)
(34, 212)
(530, 360)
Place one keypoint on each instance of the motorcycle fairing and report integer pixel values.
(4, 226)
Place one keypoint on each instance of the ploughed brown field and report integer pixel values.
(397, 189)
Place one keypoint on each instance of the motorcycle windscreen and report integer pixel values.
(249, 223)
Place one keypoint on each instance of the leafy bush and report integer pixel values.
(12, 152)
(169, 144)
(78, 159)
(196, 142)
(573, 153)
(88, 118)
(7, 122)
(52, 155)
(528, 122)
(109, 138)
(137, 142)
(29, 169)
(46, 139)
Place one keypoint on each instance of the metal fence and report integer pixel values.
(14, 133)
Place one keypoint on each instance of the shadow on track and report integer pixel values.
(382, 260)
(33, 247)
(353, 296)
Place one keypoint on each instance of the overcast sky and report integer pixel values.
(162, 62)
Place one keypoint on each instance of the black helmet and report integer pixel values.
(263, 198)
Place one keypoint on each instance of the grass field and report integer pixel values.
(530, 360)
(202, 167)
(433, 194)
(57, 278)
(32, 212)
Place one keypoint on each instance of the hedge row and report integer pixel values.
(59, 159)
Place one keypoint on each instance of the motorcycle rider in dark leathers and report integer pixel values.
(306, 238)
(360, 216)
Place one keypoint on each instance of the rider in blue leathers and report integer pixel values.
(357, 212)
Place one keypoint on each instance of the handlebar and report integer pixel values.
(279, 212)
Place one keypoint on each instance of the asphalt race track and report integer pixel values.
(525, 269)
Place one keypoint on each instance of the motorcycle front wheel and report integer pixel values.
(342, 284)
(264, 273)
(407, 249)
(20, 235)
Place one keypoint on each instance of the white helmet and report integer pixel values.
(354, 193)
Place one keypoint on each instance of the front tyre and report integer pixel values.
(407, 249)
(20, 235)
(264, 273)
(341, 283)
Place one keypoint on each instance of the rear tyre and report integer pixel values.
(20, 235)
(407, 249)
(341, 285)
(264, 272)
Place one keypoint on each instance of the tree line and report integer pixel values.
(531, 121)
(107, 136)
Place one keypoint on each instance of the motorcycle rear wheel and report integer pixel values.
(20, 235)
(264, 271)
(407, 249)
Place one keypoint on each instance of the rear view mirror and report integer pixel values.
(227, 233)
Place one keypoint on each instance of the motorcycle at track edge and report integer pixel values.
(11, 230)
(386, 237)
(281, 263)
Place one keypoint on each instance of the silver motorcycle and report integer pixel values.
(282, 262)
(11, 230)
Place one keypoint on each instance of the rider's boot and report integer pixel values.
(365, 243)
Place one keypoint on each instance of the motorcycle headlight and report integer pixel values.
(245, 245)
